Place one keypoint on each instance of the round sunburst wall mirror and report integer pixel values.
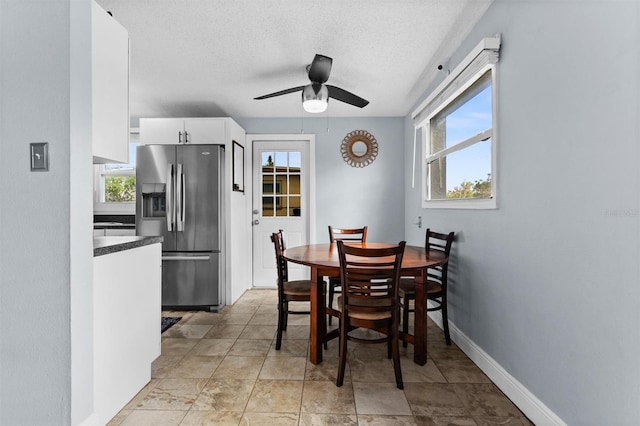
(359, 148)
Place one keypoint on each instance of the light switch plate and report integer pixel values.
(39, 156)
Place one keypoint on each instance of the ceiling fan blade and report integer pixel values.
(346, 97)
(282, 92)
(320, 69)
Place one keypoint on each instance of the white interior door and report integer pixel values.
(281, 200)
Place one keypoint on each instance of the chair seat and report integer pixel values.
(371, 316)
(407, 287)
(297, 288)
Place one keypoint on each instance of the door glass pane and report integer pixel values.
(267, 161)
(281, 160)
(295, 160)
(294, 184)
(267, 185)
(267, 206)
(294, 206)
(281, 206)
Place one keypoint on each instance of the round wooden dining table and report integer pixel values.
(324, 262)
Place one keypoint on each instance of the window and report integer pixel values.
(281, 183)
(457, 123)
(115, 185)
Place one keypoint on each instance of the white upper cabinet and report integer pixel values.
(110, 88)
(175, 131)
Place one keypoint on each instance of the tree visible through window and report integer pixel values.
(120, 189)
(118, 181)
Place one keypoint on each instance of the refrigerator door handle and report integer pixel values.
(169, 198)
(180, 198)
(203, 257)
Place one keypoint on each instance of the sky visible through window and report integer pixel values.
(472, 163)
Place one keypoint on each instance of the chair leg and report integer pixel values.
(281, 324)
(285, 316)
(331, 292)
(445, 321)
(405, 317)
(343, 352)
(396, 358)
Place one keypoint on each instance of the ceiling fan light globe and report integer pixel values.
(313, 102)
(315, 106)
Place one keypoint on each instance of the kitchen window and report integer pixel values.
(457, 124)
(115, 185)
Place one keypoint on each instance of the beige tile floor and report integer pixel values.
(223, 369)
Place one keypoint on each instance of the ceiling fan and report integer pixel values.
(315, 96)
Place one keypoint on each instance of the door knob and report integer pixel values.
(256, 222)
(255, 211)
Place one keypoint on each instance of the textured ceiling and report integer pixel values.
(212, 57)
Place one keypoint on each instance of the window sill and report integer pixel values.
(114, 208)
(462, 204)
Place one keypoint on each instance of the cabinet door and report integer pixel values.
(205, 130)
(110, 87)
(163, 131)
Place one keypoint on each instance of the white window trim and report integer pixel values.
(481, 59)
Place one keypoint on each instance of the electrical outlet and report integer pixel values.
(39, 156)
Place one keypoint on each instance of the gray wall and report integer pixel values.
(34, 253)
(348, 196)
(547, 285)
(45, 219)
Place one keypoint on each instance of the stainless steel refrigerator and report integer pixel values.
(179, 197)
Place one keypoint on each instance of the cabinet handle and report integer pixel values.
(186, 137)
(179, 137)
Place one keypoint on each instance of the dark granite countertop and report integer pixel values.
(113, 225)
(107, 245)
(114, 221)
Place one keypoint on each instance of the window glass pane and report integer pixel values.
(294, 206)
(462, 174)
(466, 116)
(267, 206)
(267, 159)
(281, 206)
(295, 160)
(281, 184)
(281, 159)
(267, 184)
(120, 189)
(294, 184)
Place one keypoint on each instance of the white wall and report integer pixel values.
(348, 196)
(547, 285)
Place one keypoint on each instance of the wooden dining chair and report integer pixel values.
(436, 284)
(370, 278)
(288, 291)
(344, 234)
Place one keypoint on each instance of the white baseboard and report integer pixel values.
(527, 402)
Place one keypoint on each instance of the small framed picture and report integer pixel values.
(238, 167)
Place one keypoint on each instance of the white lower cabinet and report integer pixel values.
(126, 325)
